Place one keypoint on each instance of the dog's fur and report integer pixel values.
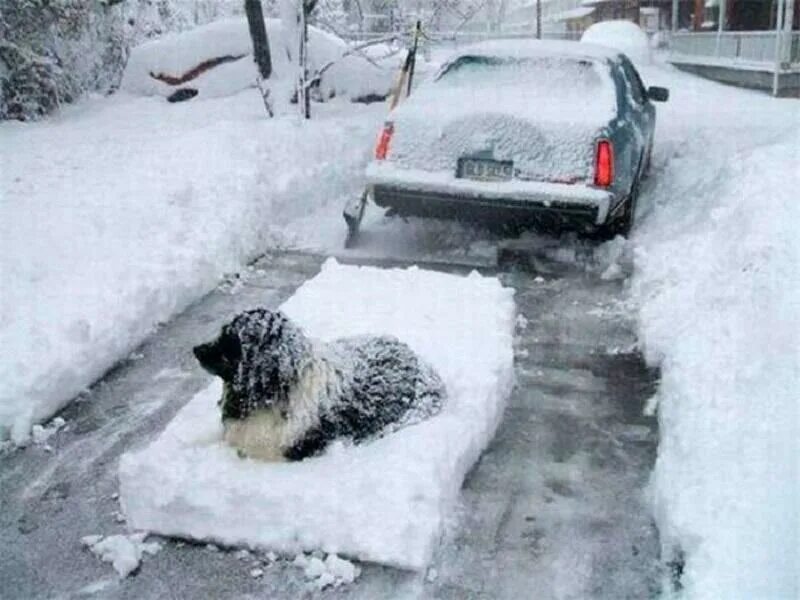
(286, 397)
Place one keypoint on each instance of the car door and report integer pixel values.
(642, 113)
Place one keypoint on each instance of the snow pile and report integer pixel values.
(124, 552)
(333, 571)
(718, 279)
(176, 54)
(384, 501)
(136, 210)
(622, 35)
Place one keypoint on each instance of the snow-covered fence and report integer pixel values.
(776, 53)
(737, 46)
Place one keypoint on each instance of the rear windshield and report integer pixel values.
(550, 74)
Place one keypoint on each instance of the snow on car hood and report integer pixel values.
(548, 136)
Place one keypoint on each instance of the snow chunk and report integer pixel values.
(385, 501)
(41, 434)
(333, 571)
(124, 552)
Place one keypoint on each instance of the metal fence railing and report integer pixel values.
(739, 46)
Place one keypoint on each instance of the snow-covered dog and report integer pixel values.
(286, 397)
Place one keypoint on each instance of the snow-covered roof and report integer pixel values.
(575, 13)
(532, 48)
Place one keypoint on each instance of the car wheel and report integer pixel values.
(624, 223)
(353, 213)
(647, 162)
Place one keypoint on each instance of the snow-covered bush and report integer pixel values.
(52, 51)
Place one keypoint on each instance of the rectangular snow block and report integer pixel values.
(385, 501)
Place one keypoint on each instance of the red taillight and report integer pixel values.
(604, 164)
(382, 149)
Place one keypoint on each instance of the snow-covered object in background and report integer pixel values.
(625, 36)
(718, 279)
(124, 552)
(176, 54)
(385, 501)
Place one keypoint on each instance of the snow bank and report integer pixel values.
(175, 54)
(718, 279)
(117, 214)
(383, 502)
(622, 35)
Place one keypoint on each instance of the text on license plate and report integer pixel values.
(484, 169)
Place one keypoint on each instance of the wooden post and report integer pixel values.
(675, 13)
(779, 21)
(258, 34)
(538, 19)
(699, 9)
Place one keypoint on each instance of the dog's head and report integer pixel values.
(260, 356)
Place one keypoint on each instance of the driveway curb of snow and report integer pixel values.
(100, 243)
(718, 281)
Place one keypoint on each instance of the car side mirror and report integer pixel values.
(658, 94)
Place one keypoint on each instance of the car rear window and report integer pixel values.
(546, 73)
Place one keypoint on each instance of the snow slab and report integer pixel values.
(384, 502)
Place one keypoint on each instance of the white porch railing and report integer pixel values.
(739, 47)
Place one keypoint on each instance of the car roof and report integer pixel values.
(532, 48)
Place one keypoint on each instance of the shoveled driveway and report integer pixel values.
(554, 509)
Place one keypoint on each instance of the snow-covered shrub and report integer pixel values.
(52, 51)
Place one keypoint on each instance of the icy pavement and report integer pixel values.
(554, 506)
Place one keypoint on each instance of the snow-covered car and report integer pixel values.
(622, 35)
(533, 132)
(216, 60)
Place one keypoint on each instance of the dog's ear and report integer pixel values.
(220, 357)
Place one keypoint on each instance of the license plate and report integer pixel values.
(484, 169)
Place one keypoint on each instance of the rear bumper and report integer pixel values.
(426, 194)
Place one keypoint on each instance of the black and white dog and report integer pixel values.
(286, 397)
